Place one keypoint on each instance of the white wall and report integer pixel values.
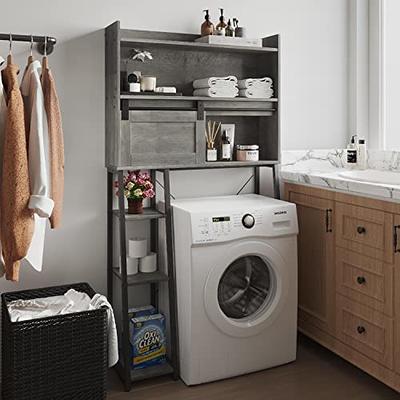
(391, 74)
(314, 99)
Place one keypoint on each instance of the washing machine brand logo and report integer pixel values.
(280, 212)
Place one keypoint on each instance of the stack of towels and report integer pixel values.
(216, 87)
(257, 88)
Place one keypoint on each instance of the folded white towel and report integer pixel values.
(210, 82)
(256, 94)
(71, 302)
(99, 301)
(216, 92)
(249, 82)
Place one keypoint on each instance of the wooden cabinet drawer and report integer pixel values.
(364, 231)
(365, 280)
(366, 330)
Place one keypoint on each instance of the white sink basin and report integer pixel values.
(373, 176)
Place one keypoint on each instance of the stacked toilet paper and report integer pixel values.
(139, 260)
(225, 86)
(258, 88)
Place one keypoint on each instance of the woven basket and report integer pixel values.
(61, 357)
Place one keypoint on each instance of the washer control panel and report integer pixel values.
(223, 227)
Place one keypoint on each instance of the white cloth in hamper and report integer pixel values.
(250, 82)
(71, 302)
(98, 301)
(253, 93)
(217, 92)
(214, 80)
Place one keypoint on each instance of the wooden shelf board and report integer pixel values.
(127, 42)
(142, 278)
(126, 96)
(148, 213)
(206, 165)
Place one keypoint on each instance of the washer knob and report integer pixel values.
(248, 221)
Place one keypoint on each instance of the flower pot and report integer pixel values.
(135, 206)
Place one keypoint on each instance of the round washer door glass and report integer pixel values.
(245, 287)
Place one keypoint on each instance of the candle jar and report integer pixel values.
(148, 83)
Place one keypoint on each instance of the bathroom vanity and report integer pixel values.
(349, 268)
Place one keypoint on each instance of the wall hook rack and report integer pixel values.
(39, 40)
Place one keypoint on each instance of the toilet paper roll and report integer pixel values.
(137, 247)
(132, 266)
(148, 263)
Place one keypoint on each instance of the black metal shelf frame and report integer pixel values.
(152, 215)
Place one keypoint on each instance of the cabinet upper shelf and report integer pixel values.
(183, 45)
(127, 96)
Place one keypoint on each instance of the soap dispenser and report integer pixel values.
(221, 26)
(351, 152)
(229, 30)
(207, 27)
(362, 154)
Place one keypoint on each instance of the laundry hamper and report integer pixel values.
(60, 357)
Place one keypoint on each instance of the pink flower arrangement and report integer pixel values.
(138, 185)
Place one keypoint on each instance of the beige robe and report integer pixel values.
(56, 142)
(17, 222)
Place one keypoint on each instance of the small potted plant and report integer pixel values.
(137, 186)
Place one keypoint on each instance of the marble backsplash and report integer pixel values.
(331, 159)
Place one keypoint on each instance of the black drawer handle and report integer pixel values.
(361, 280)
(361, 230)
(361, 329)
(396, 236)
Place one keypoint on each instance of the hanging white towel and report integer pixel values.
(99, 301)
(39, 160)
(210, 82)
(216, 92)
(252, 93)
(249, 82)
(3, 115)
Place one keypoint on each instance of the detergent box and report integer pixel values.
(148, 340)
(135, 312)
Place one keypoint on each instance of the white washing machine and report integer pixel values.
(236, 265)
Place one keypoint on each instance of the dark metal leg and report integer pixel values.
(126, 348)
(110, 236)
(154, 246)
(256, 180)
(173, 309)
(275, 176)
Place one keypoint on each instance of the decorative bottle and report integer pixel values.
(207, 27)
(221, 26)
(225, 147)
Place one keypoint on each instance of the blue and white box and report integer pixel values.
(148, 341)
(141, 311)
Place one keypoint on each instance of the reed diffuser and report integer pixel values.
(211, 135)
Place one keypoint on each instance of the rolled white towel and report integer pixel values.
(216, 92)
(210, 82)
(256, 94)
(249, 82)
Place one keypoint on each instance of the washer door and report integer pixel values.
(246, 291)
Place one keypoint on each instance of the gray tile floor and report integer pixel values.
(317, 374)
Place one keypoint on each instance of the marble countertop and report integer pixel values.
(321, 168)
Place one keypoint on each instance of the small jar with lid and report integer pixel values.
(246, 152)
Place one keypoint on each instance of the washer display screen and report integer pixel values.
(221, 219)
(245, 287)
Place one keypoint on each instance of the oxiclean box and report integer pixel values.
(148, 340)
